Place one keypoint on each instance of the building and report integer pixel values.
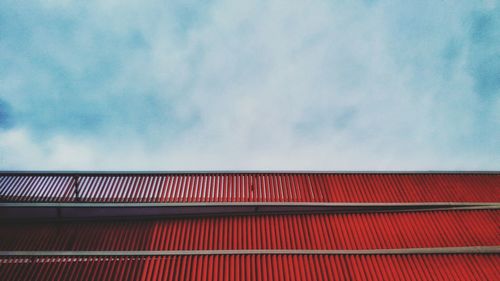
(249, 226)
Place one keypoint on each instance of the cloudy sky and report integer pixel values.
(225, 84)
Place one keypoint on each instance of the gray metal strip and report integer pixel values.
(15, 212)
(240, 204)
(405, 251)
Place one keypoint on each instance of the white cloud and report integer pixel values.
(21, 151)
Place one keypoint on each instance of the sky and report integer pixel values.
(250, 85)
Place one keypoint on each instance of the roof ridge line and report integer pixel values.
(166, 172)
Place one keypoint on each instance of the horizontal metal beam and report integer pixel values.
(238, 204)
(100, 211)
(404, 251)
(121, 173)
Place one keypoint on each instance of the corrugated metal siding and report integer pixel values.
(396, 230)
(253, 187)
(319, 231)
(256, 267)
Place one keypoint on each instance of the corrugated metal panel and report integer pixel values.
(255, 267)
(319, 231)
(252, 187)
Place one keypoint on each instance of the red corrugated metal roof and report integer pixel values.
(438, 231)
(318, 231)
(252, 187)
(255, 267)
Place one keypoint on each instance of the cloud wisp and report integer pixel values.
(344, 85)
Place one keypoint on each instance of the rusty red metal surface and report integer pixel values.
(255, 267)
(312, 231)
(251, 187)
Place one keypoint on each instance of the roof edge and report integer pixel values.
(160, 172)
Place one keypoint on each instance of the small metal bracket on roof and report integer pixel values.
(76, 185)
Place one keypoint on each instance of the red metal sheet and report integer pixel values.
(248, 187)
(311, 231)
(255, 267)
